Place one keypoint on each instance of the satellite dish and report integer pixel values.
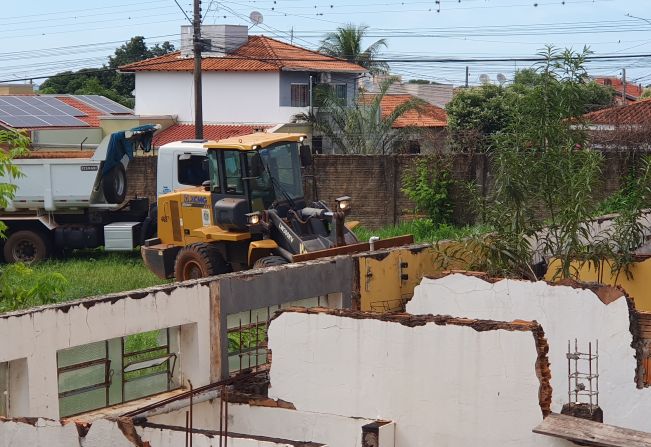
(256, 17)
(484, 79)
(501, 78)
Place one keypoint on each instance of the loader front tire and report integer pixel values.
(269, 261)
(199, 261)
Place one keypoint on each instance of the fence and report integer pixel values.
(374, 182)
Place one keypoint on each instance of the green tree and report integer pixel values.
(541, 200)
(105, 80)
(477, 114)
(346, 43)
(360, 128)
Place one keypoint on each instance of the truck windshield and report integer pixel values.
(282, 161)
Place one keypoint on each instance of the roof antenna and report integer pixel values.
(291, 37)
(256, 18)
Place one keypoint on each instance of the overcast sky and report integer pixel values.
(42, 37)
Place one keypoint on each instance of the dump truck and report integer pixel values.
(66, 200)
(250, 213)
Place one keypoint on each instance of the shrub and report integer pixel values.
(428, 184)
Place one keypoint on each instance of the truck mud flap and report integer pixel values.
(160, 259)
(355, 248)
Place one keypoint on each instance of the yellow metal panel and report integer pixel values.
(259, 139)
(265, 246)
(214, 233)
(387, 279)
(352, 224)
(169, 225)
(638, 287)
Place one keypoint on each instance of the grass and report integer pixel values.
(96, 272)
(423, 230)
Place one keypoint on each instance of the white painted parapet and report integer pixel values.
(565, 313)
(445, 383)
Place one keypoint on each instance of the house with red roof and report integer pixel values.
(426, 124)
(247, 80)
(633, 91)
(620, 127)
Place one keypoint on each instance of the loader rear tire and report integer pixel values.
(199, 261)
(269, 261)
(114, 185)
(27, 246)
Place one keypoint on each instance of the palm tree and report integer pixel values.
(346, 43)
(360, 128)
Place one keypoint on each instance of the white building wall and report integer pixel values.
(228, 97)
(442, 385)
(565, 313)
(36, 336)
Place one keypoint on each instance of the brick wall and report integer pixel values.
(141, 178)
(374, 182)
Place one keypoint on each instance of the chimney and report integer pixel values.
(222, 39)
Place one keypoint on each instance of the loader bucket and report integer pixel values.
(355, 248)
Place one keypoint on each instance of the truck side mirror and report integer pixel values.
(306, 155)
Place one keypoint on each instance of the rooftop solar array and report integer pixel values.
(104, 104)
(38, 111)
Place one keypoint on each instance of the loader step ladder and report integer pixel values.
(591, 433)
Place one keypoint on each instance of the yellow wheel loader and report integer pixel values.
(251, 213)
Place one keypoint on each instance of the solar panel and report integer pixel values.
(104, 104)
(38, 111)
(61, 106)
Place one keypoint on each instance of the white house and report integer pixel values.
(246, 79)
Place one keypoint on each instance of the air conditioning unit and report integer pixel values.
(325, 78)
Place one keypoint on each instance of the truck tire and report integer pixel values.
(114, 184)
(27, 246)
(269, 261)
(199, 261)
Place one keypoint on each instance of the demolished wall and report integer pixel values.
(565, 313)
(454, 382)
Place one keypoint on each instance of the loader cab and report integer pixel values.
(256, 178)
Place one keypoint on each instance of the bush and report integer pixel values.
(428, 184)
(21, 287)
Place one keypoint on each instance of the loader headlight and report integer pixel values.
(253, 218)
(344, 203)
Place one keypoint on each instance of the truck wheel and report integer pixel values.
(114, 184)
(199, 261)
(26, 246)
(269, 261)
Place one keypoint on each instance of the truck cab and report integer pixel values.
(181, 164)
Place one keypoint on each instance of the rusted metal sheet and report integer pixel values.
(355, 248)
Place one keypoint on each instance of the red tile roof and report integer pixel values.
(92, 114)
(178, 132)
(427, 115)
(634, 90)
(638, 112)
(260, 53)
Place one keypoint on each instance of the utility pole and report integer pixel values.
(624, 86)
(467, 75)
(198, 96)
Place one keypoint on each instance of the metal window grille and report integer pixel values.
(300, 95)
